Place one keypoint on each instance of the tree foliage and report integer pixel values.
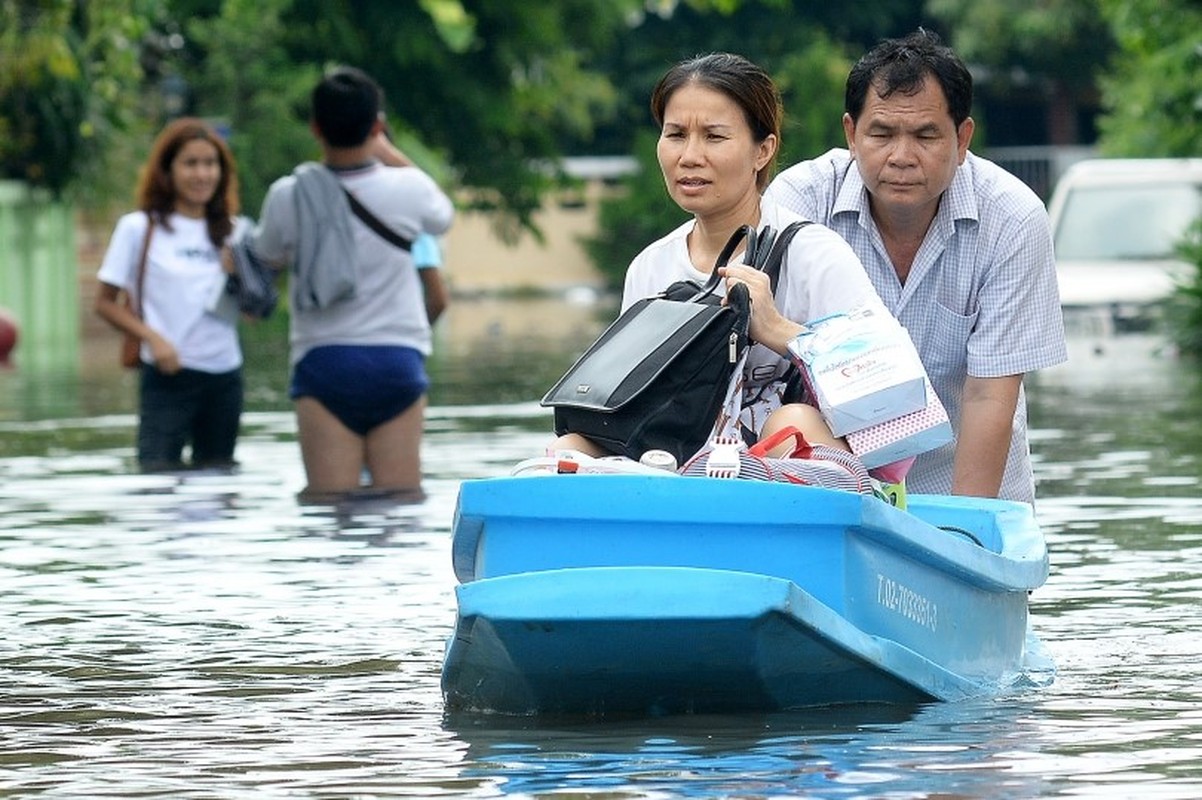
(1063, 41)
(1184, 311)
(1153, 99)
(1044, 57)
(242, 77)
(1153, 91)
(65, 71)
(489, 95)
(494, 88)
(771, 33)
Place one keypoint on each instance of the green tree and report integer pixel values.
(1153, 99)
(1153, 91)
(1053, 50)
(812, 78)
(1184, 311)
(481, 93)
(772, 33)
(65, 71)
(488, 94)
(242, 77)
(493, 88)
(493, 94)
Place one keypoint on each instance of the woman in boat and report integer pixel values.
(719, 117)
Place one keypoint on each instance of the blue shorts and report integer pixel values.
(363, 386)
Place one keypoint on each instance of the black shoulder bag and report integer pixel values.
(656, 378)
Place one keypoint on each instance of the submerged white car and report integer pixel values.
(1116, 223)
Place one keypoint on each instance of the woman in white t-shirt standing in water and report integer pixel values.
(191, 371)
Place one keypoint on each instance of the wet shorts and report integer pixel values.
(363, 386)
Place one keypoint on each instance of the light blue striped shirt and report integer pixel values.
(981, 298)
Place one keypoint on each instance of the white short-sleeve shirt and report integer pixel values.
(183, 275)
(820, 276)
(388, 306)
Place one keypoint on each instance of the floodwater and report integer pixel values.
(205, 636)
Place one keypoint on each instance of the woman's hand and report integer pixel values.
(166, 357)
(768, 326)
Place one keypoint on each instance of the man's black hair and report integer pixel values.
(902, 65)
(346, 103)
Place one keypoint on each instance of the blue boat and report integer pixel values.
(636, 594)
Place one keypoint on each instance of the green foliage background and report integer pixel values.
(1184, 312)
(69, 74)
(491, 94)
(1153, 87)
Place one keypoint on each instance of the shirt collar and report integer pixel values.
(959, 201)
(852, 197)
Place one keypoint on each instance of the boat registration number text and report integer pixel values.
(903, 600)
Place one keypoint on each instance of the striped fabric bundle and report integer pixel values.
(811, 465)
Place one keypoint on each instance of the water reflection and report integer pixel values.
(204, 635)
(977, 749)
(711, 756)
(505, 351)
(209, 620)
(1119, 421)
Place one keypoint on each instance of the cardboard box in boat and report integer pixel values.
(862, 369)
(908, 435)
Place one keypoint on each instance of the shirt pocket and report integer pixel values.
(945, 350)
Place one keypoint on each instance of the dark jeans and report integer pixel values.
(190, 407)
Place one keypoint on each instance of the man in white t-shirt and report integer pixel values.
(360, 330)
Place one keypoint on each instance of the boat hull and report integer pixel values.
(573, 602)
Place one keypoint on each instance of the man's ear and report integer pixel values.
(964, 137)
(849, 132)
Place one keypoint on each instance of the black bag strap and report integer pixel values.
(744, 232)
(373, 222)
(774, 257)
(794, 385)
(136, 299)
(763, 246)
(765, 251)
